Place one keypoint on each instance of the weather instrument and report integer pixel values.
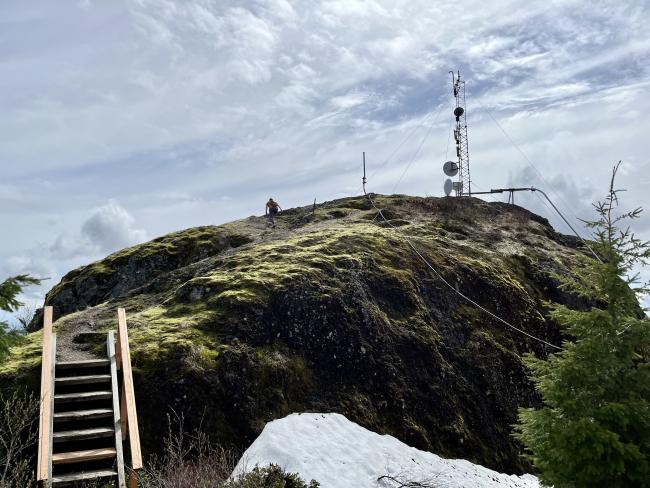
(462, 187)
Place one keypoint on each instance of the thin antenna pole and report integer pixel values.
(363, 180)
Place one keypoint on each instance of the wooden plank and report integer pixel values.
(83, 434)
(110, 345)
(129, 394)
(83, 456)
(118, 349)
(82, 380)
(86, 475)
(95, 413)
(82, 396)
(88, 363)
(45, 418)
(123, 421)
(52, 379)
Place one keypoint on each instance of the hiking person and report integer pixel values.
(272, 208)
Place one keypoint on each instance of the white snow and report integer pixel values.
(341, 454)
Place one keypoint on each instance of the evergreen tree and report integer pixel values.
(593, 429)
(9, 291)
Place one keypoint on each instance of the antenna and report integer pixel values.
(449, 185)
(464, 185)
(363, 180)
(450, 168)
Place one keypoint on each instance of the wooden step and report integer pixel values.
(95, 413)
(83, 456)
(88, 363)
(83, 396)
(81, 380)
(83, 434)
(86, 475)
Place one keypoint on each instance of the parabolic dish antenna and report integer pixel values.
(450, 168)
(448, 186)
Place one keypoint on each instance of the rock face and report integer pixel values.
(332, 311)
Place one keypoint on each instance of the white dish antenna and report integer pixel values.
(450, 168)
(448, 186)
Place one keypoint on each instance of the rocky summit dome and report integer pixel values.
(332, 311)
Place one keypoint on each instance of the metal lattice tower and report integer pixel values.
(464, 185)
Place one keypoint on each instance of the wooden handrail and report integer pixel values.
(128, 411)
(44, 464)
(119, 454)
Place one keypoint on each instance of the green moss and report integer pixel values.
(155, 334)
(484, 343)
(417, 434)
(178, 248)
(459, 426)
(252, 274)
(24, 356)
(277, 364)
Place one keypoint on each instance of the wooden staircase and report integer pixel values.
(87, 412)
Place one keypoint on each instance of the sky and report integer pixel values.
(125, 120)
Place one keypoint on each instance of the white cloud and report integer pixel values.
(110, 228)
(349, 100)
(32, 265)
(106, 229)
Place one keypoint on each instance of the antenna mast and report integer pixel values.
(464, 185)
(363, 180)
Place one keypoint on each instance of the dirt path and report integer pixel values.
(79, 339)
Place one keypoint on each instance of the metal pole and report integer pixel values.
(363, 180)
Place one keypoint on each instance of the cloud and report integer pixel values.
(106, 229)
(110, 228)
(349, 100)
(33, 265)
(220, 70)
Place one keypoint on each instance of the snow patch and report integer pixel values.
(341, 454)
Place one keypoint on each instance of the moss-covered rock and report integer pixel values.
(240, 324)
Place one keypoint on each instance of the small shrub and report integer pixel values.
(18, 414)
(271, 476)
(189, 460)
